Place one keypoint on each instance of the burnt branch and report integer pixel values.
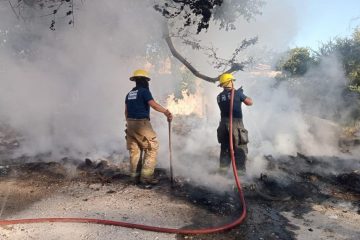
(234, 67)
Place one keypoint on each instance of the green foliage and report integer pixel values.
(354, 88)
(348, 50)
(296, 62)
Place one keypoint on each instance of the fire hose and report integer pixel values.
(228, 226)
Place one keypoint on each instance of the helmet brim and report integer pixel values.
(135, 77)
(220, 84)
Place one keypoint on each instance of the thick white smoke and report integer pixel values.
(64, 91)
(303, 115)
(298, 116)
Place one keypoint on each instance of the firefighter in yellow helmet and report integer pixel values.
(140, 135)
(239, 133)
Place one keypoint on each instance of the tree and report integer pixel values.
(296, 62)
(185, 20)
(199, 13)
(348, 50)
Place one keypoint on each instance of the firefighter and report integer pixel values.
(240, 134)
(140, 135)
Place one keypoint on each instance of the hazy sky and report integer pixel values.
(320, 20)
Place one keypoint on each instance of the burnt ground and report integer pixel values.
(298, 197)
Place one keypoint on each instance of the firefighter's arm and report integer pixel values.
(159, 108)
(248, 101)
(126, 112)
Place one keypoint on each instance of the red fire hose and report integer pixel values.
(152, 228)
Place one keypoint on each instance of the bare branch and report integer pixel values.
(234, 67)
(53, 5)
(73, 16)
(13, 9)
(244, 44)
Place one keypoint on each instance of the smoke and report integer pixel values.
(298, 116)
(64, 91)
(302, 115)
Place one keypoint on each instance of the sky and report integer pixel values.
(320, 20)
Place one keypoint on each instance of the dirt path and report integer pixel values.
(319, 208)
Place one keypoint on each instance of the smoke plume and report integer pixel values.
(64, 90)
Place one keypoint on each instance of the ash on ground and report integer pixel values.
(297, 197)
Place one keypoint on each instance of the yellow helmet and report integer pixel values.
(225, 78)
(140, 73)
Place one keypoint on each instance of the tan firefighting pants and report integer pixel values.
(140, 136)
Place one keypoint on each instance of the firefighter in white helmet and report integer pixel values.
(140, 135)
(240, 134)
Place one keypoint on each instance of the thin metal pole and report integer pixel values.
(170, 152)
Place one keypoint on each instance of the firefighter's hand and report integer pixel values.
(169, 115)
